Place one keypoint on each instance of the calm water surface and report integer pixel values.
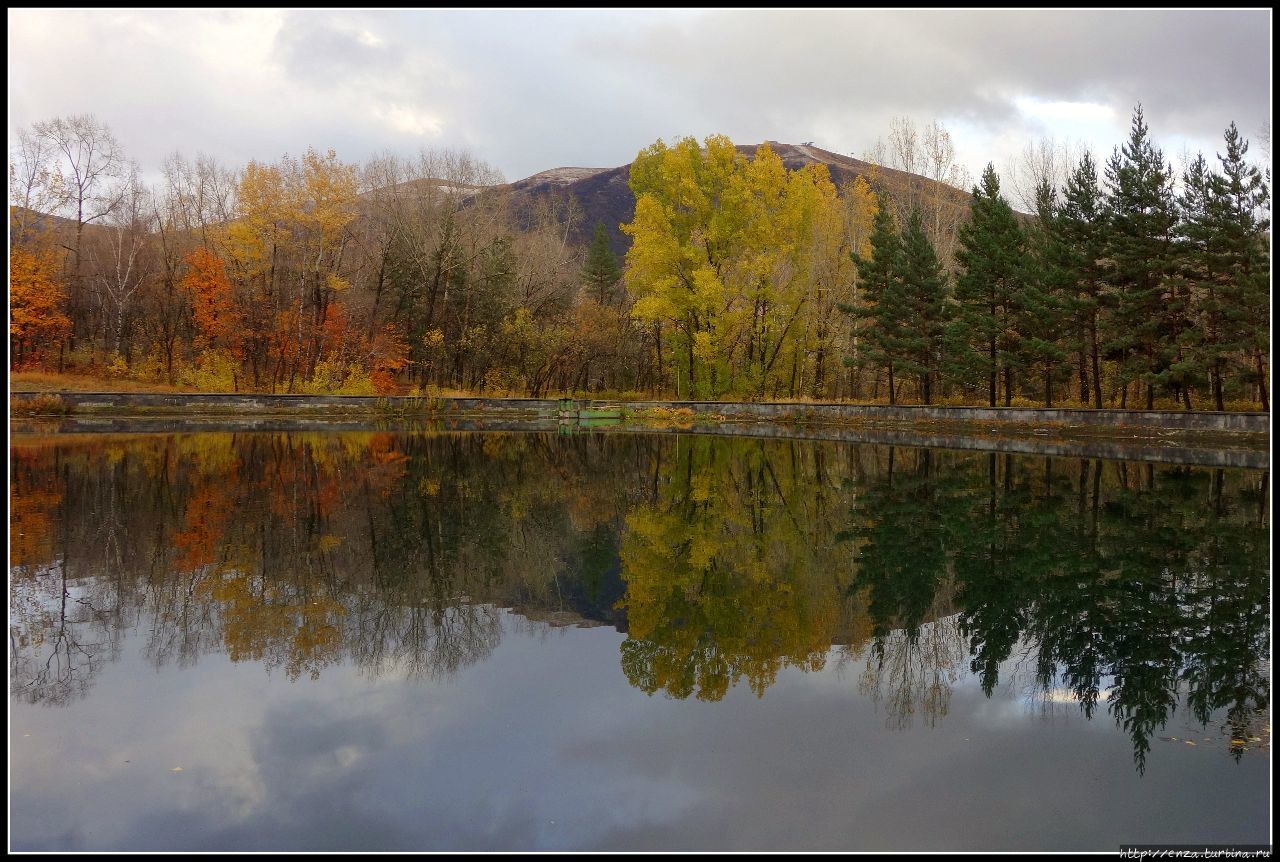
(524, 641)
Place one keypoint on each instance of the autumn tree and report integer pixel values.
(37, 322)
(213, 308)
(722, 257)
(679, 249)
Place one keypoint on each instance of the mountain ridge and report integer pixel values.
(604, 195)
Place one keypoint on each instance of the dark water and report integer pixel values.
(523, 641)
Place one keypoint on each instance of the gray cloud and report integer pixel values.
(330, 51)
(533, 90)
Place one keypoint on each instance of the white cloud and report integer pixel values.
(530, 91)
(1071, 112)
(408, 121)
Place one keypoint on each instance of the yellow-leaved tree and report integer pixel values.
(730, 256)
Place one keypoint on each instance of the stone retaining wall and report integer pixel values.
(1170, 419)
(97, 402)
(1108, 448)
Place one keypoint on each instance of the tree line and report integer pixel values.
(1121, 289)
(300, 275)
(1128, 285)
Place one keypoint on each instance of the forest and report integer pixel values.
(1130, 285)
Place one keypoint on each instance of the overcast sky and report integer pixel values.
(527, 90)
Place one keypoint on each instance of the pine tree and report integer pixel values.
(919, 304)
(1043, 300)
(878, 341)
(1206, 341)
(601, 273)
(1147, 313)
(1081, 224)
(1237, 209)
(982, 340)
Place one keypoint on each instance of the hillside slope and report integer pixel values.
(604, 195)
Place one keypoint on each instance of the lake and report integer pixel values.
(532, 641)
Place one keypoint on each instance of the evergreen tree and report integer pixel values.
(878, 274)
(1081, 222)
(601, 273)
(1237, 210)
(1147, 313)
(1207, 341)
(982, 339)
(919, 304)
(1043, 300)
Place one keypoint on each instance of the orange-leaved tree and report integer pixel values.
(36, 297)
(388, 354)
(213, 307)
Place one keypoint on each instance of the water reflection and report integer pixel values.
(1130, 589)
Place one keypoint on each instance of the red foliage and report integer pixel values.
(219, 323)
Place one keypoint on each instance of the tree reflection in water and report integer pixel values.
(1129, 587)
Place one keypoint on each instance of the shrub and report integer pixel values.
(40, 405)
(213, 371)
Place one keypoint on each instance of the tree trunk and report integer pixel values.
(1082, 361)
(692, 379)
(992, 357)
(1097, 374)
(1262, 379)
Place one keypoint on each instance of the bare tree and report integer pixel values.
(89, 161)
(200, 195)
(35, 187)
(1044, 160)
(122, 259)
(943, 208)
(928, 156)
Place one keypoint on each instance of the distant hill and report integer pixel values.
(604, 196)
(44, 222)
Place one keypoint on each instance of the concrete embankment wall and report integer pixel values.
(1113, 447)
(1110, 448)
(1169, 419)
(320, 405)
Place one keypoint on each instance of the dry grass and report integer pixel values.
(48, 381)
(39, 405)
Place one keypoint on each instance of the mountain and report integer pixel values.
(604, 196)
